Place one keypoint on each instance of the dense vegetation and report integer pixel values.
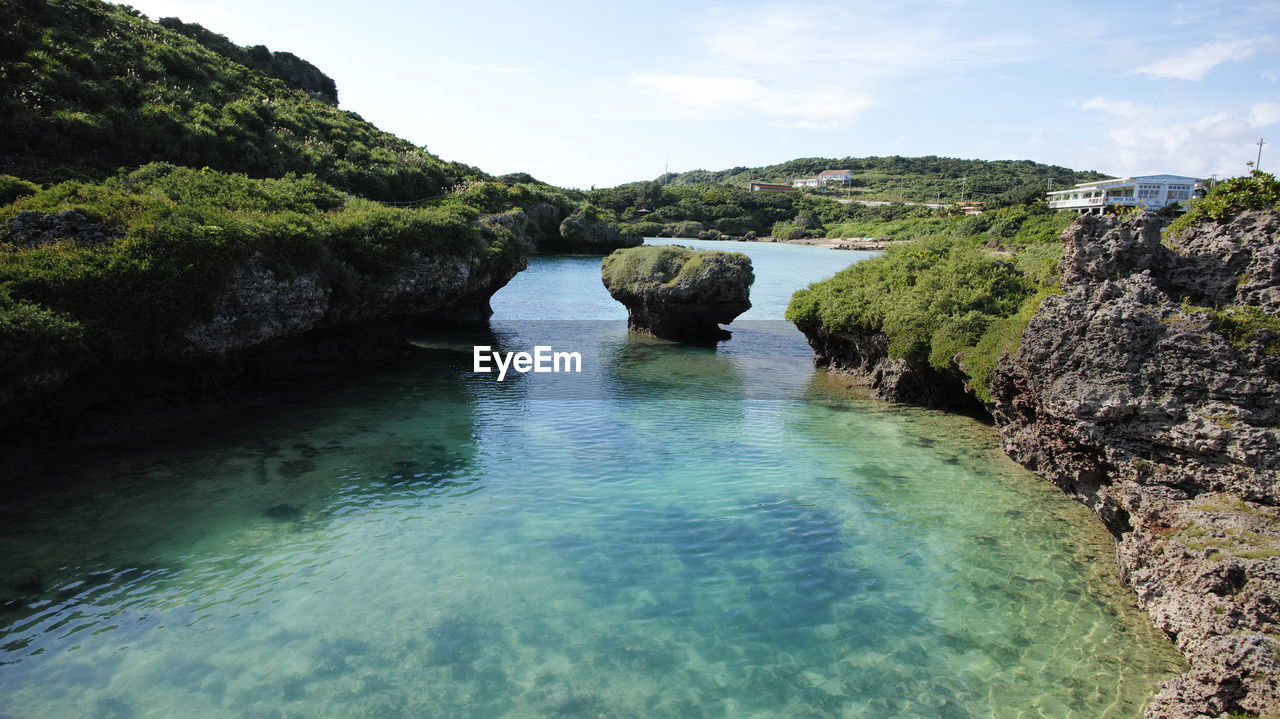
(284, 66)
(663, 264)
(918, 179)
(149, 250)
(971, 284)
(947, 293)
(86, 87)
(709, 211)
(1258, 191)
(143, 164)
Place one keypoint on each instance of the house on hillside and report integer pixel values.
(764, 186)
(805, 182)
(1145, 191)
(842, 177)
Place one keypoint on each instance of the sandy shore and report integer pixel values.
(835, 243)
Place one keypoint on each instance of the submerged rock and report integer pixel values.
(1148, 391)
(678, 293)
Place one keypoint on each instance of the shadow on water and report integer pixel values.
(116, 519)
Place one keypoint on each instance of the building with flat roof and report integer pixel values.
(1145, 191)
(763, 186)
(828, 176)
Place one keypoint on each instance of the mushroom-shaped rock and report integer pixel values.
(678, 293)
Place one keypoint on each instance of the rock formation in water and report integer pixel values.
(678, 293)
(1148, 390)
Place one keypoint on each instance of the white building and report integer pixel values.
(1146, 191)
(840, 176)
(805, 182)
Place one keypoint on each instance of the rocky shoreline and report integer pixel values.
(1139, 393)
(263, 331)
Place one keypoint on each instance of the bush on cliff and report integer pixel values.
(935, 299)
(1258, 191)
(171, 235)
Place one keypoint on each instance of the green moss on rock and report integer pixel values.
(679, 293)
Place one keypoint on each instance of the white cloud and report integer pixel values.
(1194, 63)
(1123, 108)
(1164, 140)
(812, 108)
(823, 64)
(1264, 113)
(707, 92)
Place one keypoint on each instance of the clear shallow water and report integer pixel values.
(675, 532)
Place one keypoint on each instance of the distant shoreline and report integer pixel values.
(834, 243)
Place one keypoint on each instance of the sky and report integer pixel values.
(583, 94)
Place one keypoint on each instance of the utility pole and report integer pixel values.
(1258, 165)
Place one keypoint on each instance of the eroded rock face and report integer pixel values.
(863, 357)
(678, 293)
(257, 307)
(1145, 392)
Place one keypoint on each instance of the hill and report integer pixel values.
(168, 211)
(913, 179)
(284, 66)
(88, 87)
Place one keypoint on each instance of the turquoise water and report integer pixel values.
(673, 532)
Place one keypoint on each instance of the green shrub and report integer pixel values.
(115, 89)
(1258, 191)
(663, 264)
(11, 188)
(933, 299)
(647, 229)
(183, 231)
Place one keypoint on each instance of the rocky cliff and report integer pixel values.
(1148, 390)
(862, 356)
(677, 293)
(263, 322)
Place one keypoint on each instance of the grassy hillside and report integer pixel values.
(284, 66)
(913, 179)
(711, 210)
(140, 169)
(87, 87)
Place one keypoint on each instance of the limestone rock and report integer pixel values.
(31, 228)
(1137, 393)
(257, 306)
(678, 293)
